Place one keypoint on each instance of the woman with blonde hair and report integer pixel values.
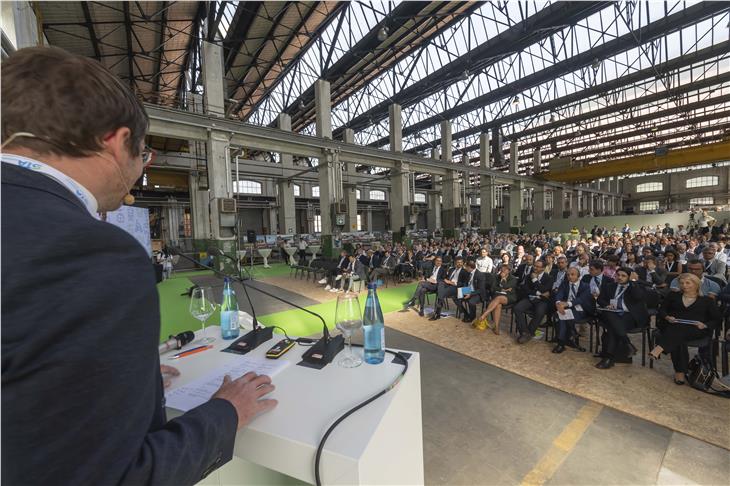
(687, 316)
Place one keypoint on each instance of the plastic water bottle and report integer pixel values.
(373, 328)
(229, 312)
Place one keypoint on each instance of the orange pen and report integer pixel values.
(189, 352)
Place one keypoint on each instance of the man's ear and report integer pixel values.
(117, 142)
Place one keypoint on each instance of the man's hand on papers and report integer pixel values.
(244, 394)
(168, 372)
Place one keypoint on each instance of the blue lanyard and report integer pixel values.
(83, 194)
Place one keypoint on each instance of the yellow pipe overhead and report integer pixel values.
(701, 154)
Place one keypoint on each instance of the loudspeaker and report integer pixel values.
(251, 236)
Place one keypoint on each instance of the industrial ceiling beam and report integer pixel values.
(662, 27)
(673, 159)
(628, 80)
(246, 14)
(537, 27)
(92, 32)
(370, 57)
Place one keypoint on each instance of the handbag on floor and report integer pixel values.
(702, 376)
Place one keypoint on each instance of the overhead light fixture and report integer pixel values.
(516, 100)
(465, 75)
(552, 118)
(383, 34)
(301, 104)
(596, 64)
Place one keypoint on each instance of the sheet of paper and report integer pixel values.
(199, 391)
(567, 316)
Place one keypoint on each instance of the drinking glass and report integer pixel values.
(202, 307)
(348, 319)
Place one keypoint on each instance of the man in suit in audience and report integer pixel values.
(595, 277)
(713, 267)
(335, 274)
(428, 284)
(536, 297)
(625, 304)
(82, 389)
(574, 295)
(483, 284)
(447, 289)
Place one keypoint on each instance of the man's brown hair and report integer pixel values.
(69, 102)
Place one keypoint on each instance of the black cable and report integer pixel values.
(318, 456)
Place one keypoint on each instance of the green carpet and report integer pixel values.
(174, 308)
(176, 318)
(299, 323)
(276, 270)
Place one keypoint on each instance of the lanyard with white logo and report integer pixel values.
(83, 194)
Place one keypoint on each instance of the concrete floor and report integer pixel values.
(483, 425)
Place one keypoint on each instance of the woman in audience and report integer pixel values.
(505, 294)
(630, 261)
(690, 316)
(672, 265)
(406, 266)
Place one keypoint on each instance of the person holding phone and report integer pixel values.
(698, 314)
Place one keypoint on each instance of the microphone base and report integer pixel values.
(251, 340)
(322, 352)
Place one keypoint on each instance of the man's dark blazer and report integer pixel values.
(440, 276)
(543, 285)
(634, 298)
(657, 278)
(605, 280)
(584, 298)
(82, 396)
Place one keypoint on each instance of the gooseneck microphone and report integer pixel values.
(176, 342)
(319, 354)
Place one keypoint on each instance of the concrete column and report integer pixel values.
(212, 66)
(619, 205)
(539, 200)
(220, 183)
(272, 220)
(396, 128)
(323, 108)
(537, 161)
(199, 204)
(434, 203)
(588, 207)
(515, 204)
(350, 186)
(513, 162)
(573, 208)
(559, 202)
(399, 181)
(369, 218)
(451, 199)
(287, 211)
(486, 190)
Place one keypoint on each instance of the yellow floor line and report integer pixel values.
(562, 445)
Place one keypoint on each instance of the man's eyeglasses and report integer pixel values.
(147, 155)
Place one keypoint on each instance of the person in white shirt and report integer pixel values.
(484, 263)
(302, 251)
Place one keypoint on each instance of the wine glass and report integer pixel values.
(201, 308)
(348, 319)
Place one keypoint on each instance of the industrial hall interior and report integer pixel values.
(439, 242)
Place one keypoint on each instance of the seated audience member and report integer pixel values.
(345, 277)
(387, 266)
(505, 293)
(574, 295)
(707, 287)
(651, 273)
(535, 290)
(504, 259)
(595, 278)
(609, 268)
(558, 272)
(428, 284)
(332, 275)
(624, 300)
(406, 266)
(524, 269)
(672, 265)
(690, 305)
(712, 266)
(447, 289)
(478, 281)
